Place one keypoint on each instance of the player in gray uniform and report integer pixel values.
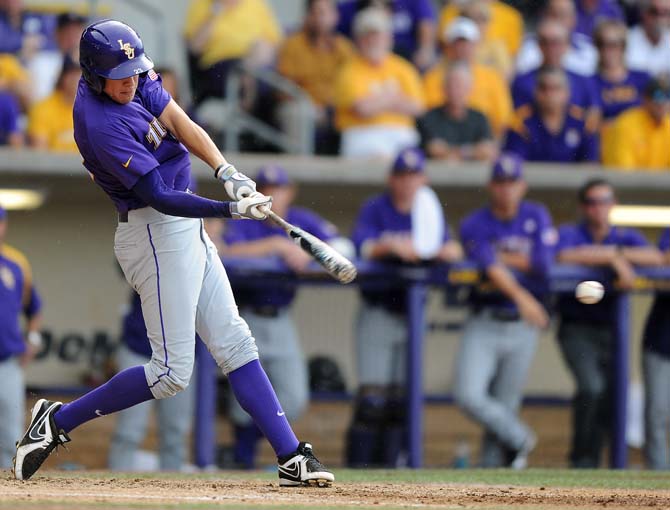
(135, 142)
(383, 231)
(17, 297)
(511, 240)
(267, 311)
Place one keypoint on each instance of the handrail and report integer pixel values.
(239, 120)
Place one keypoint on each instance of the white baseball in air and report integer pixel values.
(589, 292)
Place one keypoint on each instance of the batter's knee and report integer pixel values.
(237, 354)
(167, 381)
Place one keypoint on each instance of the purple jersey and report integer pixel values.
(121, 143)
(617, 97)
(533, 142)
(9, 116)
(588, 21)
(407, 14)
(17, 296)
(583, 91)
(378, 218)
(572, 235)
(656, 336)
(530, 233)
(245, 231)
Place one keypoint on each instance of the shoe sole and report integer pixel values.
(314, 482)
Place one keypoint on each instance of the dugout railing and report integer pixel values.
(417, 280)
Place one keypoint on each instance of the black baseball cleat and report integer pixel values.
(39, 441)
(302, 468)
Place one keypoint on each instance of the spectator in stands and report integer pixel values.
(454, 131)
(490, 52)
(592, 12)
(311, 58)
(23, 32)
(383, 232)
(223, 34)
(585, 334)
(14, 79)
(490, 94)
(581, 56)
(656, 372)
(10, 111)
(269, 312)
(50, 124)
(414, 26)
(639, 138)
(511, 241)
(378, 94)
(648, 46)
(554, 42)
(17, 297)
(506, 24)
(551, 130)
(174, 415)
(46, 64)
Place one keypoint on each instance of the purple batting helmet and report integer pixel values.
(111, 49)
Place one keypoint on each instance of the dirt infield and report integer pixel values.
(54, 492)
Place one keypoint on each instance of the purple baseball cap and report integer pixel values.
(272, 175)
(3, 213)
(410, 160)
(508, 167)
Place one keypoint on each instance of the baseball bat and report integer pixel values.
(338, 266)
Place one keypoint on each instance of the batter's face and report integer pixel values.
(121, 91)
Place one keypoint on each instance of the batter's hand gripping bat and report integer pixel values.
(338, 266)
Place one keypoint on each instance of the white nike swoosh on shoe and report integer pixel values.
(40, 424)
(294, 473)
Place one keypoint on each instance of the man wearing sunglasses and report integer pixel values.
(640, 137)
(648, 46)
(585, 333)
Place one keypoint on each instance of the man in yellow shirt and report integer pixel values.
(639, 139)
(490, 93)
(50, 125)
(312, 58)
(378, 94)
(222, 33)
(505, 25)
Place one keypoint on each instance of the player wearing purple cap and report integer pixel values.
(267, 311)
(511, 240)
(585, 334)
(135, 142)
(383, 231)
(17, 297)
(656, 371)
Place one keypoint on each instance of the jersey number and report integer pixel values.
(157, 132)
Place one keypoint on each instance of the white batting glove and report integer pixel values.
(251, 207)
(236, 184)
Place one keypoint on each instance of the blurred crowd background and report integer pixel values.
(402, 84)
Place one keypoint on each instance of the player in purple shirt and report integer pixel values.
(17, 297)
(656, 371)
(383, 231)
(414, 27)
(135, 141)
(585, 334)
(551, 130)
(511, 241)
(267, 311)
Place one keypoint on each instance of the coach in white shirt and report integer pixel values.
(648, 47)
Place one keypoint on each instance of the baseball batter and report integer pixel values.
(135, 142)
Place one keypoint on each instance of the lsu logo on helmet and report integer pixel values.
(127, 48)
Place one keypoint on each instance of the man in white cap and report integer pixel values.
(490, 93)
(378, 94)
